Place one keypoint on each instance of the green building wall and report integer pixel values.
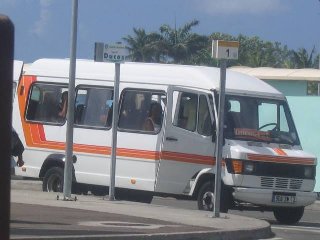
(306, 114)
(290, 88)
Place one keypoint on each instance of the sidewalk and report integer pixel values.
(97, 218)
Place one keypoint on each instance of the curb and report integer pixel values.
(214, 235)
(21, 183)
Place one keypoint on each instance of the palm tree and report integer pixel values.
(180, 44)
(139, 45)
(302, 59)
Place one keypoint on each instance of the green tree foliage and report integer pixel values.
(140, 45)
(302, 59)
(182, 46)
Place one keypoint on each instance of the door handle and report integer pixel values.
(171, 139)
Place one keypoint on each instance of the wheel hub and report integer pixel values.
(207, 200)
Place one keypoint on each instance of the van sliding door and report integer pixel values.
(187, 143)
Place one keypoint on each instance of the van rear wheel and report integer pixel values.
(286, 215)
(53, 180)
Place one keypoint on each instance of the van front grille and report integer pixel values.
(281, 183)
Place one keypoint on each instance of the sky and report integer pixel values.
(43, 27)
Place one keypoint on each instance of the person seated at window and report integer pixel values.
(106, 114)
(153, 122)
(63, 106)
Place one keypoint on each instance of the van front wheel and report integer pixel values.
(206, 198)
(288, 215)
(53, 180)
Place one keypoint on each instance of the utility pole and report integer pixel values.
(222, 50)
(70, 112)
(116, 53)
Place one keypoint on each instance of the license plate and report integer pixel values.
(279, 197)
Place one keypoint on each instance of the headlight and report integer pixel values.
(248, 167)
(308, 172)
(237, 166)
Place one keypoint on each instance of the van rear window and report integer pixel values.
(47, 103)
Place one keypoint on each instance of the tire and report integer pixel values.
(205, 198)
(53, 180)
(288, 215)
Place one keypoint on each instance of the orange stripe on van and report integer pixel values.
(281, 159)
(190, 158)
(23, 88)
(279, 151)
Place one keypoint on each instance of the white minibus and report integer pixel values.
(166, 135)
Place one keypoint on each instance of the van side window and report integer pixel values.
(186, 112)
(204, 118)
(44, 103)
(142, 110)
(192, 113)
(93, 107)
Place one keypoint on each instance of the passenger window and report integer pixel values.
(204, 118)
(142, 111)
(192, 113)
(186, 111)
(93, 107)
(44, 104)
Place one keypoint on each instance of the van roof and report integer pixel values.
(155, 73)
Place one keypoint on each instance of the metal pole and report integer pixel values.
(6, 76)
(70, 112)
(219, 146)
(114, 131)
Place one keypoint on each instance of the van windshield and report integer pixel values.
(258, 119)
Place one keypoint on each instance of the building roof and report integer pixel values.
(267, 73)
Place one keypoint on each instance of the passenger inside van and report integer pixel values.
(63, 105)
(154, 119)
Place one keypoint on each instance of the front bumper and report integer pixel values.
(263, 197)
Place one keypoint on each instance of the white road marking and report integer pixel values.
(276, 238)
(297, 228)
(119, 224)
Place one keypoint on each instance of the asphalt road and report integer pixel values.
(307, 228)
(33, 221)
